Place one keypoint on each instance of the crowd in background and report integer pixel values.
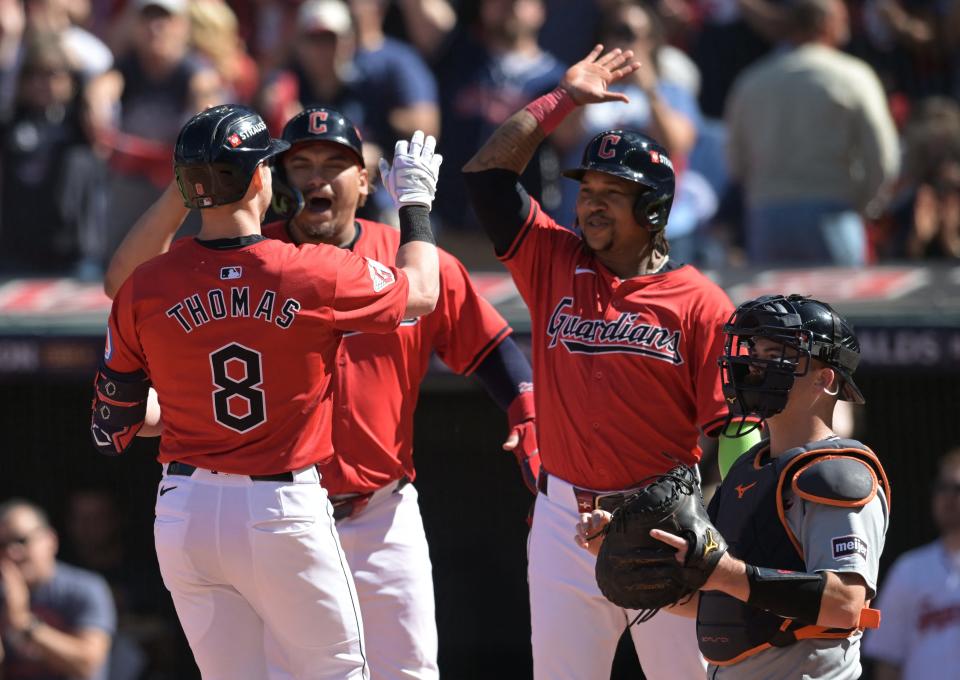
(824, 134)
(828, 134)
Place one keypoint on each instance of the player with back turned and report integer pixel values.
(625, 342)
(239, 336)
(782, 581)
(376, 384)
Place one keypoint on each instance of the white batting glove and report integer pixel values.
(412, 179)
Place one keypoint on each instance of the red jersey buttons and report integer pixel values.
(596, 426)
(598, 375)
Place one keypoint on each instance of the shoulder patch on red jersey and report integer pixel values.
(380, 274)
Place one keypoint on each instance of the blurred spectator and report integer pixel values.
(58, 620)
(137, 109)
(732, 34)
(924, 218)
(321, 69)
(214, 36)
(426, 24)
(88, 55)
(95, 539)
(379, 83)
(920, 598)
(570, 29)
(812, 141)
(659, 108)
(489, 71)
(53, 185)
(393, 73)
(906, 45)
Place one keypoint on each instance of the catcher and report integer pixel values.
(780, 576)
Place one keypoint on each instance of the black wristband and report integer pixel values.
(415, 224)
(790, 594)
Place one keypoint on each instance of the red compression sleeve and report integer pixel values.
(551, 109)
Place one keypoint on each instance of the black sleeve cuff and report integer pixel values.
(415, 224)
(501, 204)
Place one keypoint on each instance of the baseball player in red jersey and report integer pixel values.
(375, 387)
(239, 335)
(625, 348)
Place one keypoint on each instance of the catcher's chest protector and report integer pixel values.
(749, 512)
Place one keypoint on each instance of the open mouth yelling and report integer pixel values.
(316, 204)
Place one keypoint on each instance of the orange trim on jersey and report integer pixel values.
(832, 501)
(869, 618)
(756, 459)
(501, 335)
(781, 513)
(522, 234)
(740, 657)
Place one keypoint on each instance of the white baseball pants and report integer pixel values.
(386, 549)
(575, 629)
(258, 577)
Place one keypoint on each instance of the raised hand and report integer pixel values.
(587, 80)
(412, 177)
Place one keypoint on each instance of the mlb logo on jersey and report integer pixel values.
(848, 546)
(230, 273)
(380, 275)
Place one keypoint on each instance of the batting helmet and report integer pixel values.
(217, 152)
(314, 124)
(319, 124)
(637, 158)
(808, 327)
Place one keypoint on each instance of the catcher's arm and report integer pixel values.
(830, 599)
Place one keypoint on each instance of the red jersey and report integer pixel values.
(240, 345)
(626, 369)
(377, 381)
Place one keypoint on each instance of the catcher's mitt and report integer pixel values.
(635, 570)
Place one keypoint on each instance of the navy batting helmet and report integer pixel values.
(319, 124)
(314, 124)
(808, 327)
(217, 152)
(637, 158)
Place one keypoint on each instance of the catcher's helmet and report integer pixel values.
(314, 124)
(808, 327)
(637, 158)
(217, 152)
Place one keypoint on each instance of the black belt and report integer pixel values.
(588, 501)
(185, 470)
(348, 505)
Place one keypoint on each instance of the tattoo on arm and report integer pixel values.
(511, 147)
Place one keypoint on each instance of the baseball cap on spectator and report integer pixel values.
(324, 16)
(170, 6)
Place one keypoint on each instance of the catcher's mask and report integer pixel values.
(313, 124)
(637, 158)
(805, 329)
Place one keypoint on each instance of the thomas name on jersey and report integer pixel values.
(622, 335)
(220, 303)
